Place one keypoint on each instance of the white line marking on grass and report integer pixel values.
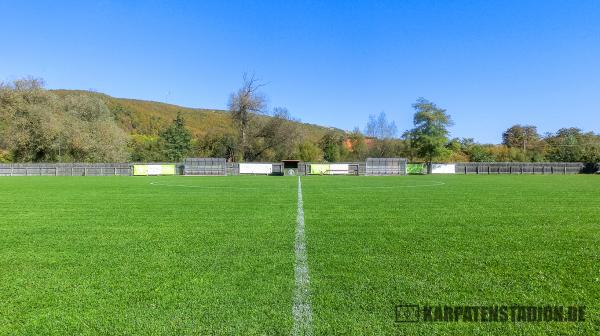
(432, 184)
(302, 310)
(211, 187)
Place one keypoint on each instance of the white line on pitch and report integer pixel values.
(431, 184)
(302, 310)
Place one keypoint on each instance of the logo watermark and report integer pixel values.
(412, 313)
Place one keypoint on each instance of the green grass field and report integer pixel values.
(215, 255)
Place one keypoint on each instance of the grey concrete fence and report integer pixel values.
(219, 166)
(520, 168)
(65, 169)
(73, 169)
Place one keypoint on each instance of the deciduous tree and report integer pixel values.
(331, 145)
(430, 134)
(379, 127)
(244, 104)
(519, 136)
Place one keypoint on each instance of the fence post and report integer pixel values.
(565, 173)
(26, 174)
(11, 170)
(84, 171)
(115, 171)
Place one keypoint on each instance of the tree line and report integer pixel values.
(37, 125)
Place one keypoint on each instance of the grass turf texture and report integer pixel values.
(116, 255)
(476, 240)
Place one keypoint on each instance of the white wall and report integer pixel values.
(338, 168)
(256, 168)
(443, 168)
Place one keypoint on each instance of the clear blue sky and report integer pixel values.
(491, 64)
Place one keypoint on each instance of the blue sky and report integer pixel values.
(491, 64)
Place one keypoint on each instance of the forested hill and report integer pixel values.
(150, 118)
(39, 125)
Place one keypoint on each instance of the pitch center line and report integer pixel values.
(302, 310)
